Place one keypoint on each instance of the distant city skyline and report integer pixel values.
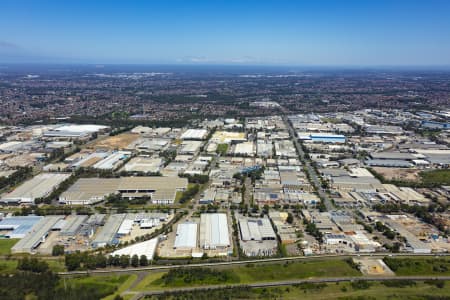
(310, 33)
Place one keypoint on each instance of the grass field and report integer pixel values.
(375, 290)
(345, 290)
(6, 245)
(7, 266)
(222, 149)
(104, 286)
(263, 273)
(419, 266)
(125, 285)
(441, 177)
(294, 270)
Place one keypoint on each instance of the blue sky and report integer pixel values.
(319, 32)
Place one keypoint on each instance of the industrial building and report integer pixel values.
(72, 225)
(72, 131)
(39, 186)
(256, 229)
(108, 233)
(144, 164)
(87, 191)
(161, 190)
(257, 237)
(194, 134)
(147, 248)
(324, 138)
(112, 161)
(245, 149)
(190, 147)
(214, 231)
(36, 236)
(18, 227)
(186, 236)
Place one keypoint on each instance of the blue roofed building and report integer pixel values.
(18, 227)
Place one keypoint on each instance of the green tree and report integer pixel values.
(143, 261)
(58, 250)
(124, 261)
(135, 261)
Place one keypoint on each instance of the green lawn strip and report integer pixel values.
(436, 176)
(6, 245)
(294, 270)
(7, 266)
(419, 266)
(56, 265)
(222, 149)
(252, 273)
(123, 287)
(345, 290)
(102, 285)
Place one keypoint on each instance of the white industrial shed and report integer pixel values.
(214, 231)
(146, 248)
(186, 237)
(195, 134)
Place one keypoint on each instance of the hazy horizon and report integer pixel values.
(322, 33)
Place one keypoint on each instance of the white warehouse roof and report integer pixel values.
(186, 235)
(214, 231)
(146, 248)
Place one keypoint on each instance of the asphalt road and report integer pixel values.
(242, 262)
(307, 163)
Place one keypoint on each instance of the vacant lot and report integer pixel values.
(419, 266)
(398, 173)
(118, 142)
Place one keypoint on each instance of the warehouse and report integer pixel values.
(195, 134)
(186, 236)
(327, 138)
(108, 233)
(264, 149)
(112, 161)
(214, 231)
(87, 191)
(256, 230)
(393, 163)
(257, 237)
(144, 164)
(161, 190)
(190, 147)
(39, 186)
(245, 149)
(74, 131)
(393, 156)
(36, 236)
(125, 227)
(72, 225)
(146, 248)
(18, 227)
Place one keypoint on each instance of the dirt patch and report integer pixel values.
(116, 142)
(398, 173)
